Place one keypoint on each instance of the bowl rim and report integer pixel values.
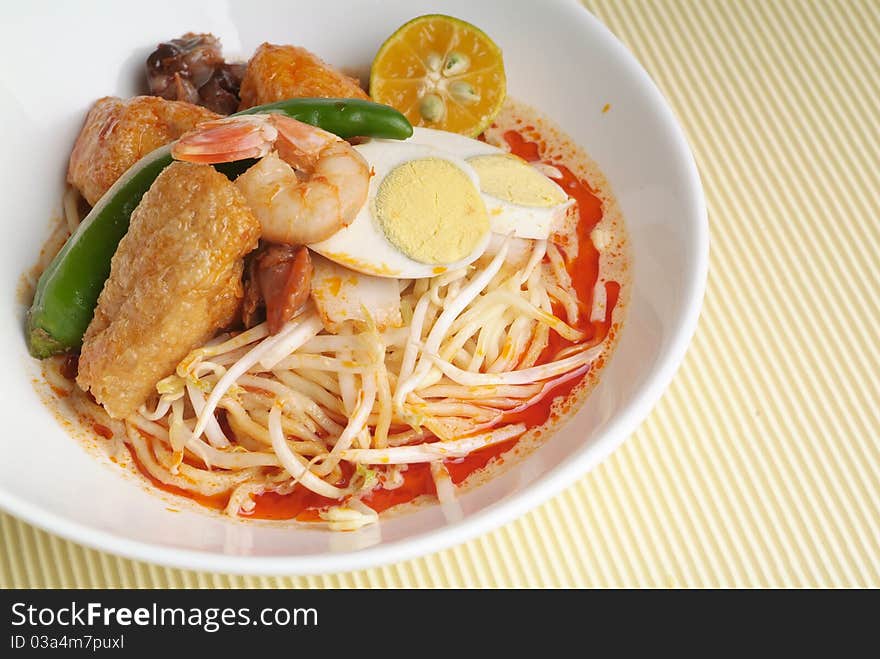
(623, 424)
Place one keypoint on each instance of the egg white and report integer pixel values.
(362, 245)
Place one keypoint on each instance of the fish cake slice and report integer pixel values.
(117, 133)
(174, 281)
(276, 73)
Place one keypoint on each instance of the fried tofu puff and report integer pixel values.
(174, 281)
(117, 133)
(276, 73)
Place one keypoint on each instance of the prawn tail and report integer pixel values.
(226, 140)
(300, 144)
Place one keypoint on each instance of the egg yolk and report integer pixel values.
(511, 179)
(431, 211)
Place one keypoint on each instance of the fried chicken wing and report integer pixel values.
(174, 281)
(276, 73)
(118, 133)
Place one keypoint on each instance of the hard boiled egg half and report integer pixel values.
(519, 199)
(433, 202)
(423, 215)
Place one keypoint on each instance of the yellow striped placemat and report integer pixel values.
(761, 465)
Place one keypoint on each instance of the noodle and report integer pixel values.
(432, 451)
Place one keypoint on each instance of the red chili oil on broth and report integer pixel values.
(304, 505)
(215, 502)
(102, 431)
(301, 504)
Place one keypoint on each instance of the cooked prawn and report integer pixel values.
(308, 183)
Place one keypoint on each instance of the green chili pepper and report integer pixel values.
(68, 290)
(343, 117)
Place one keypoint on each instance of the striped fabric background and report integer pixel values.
(761, 465)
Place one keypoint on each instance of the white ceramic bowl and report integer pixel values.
(58, 58)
